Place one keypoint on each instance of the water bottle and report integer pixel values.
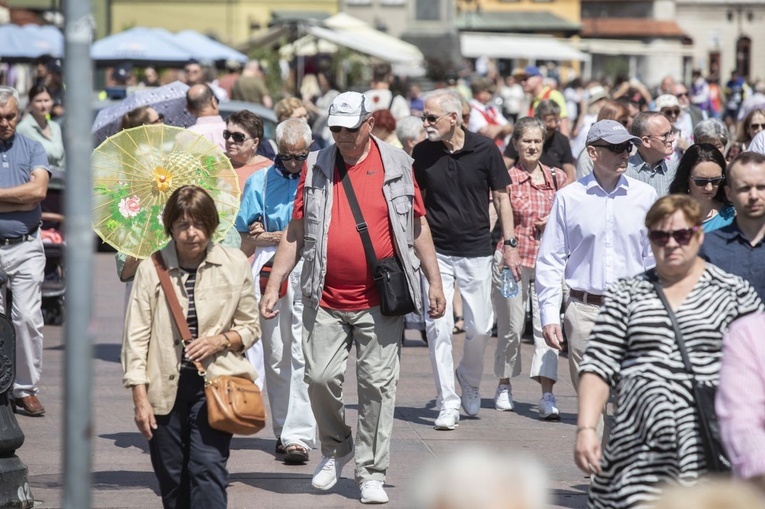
(509, 285)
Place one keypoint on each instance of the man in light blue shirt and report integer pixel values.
(653, 162)
(266, 210)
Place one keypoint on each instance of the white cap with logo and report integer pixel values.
(348, 110)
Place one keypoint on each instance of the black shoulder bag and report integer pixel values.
(704, 398)
(390, 277)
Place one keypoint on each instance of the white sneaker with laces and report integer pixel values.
(547, 409)
(503, 399)
(372, 492)
(471, 400)
(448, 418)
(328, 471)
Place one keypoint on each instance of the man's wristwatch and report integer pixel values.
(512, 242)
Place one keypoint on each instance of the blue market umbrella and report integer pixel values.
(205, 48)
(24, 43)
(169, 100)
(142, 46)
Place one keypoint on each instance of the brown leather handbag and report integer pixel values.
(234, 403)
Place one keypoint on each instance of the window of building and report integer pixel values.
(427, 10)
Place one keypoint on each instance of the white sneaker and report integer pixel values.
(471, 400)
(372, 492)
(503, 399)
(547, 409)
(448, 418)
(326, 474)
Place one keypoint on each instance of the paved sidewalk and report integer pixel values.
(122, 475)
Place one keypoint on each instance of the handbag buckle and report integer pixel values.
(361, 227)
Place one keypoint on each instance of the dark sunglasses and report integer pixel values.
(238, 137)
(337, 129)
(616, 149)
(296, 157)
(159, 120)
(756, 126)
(675, 112)
(683, 94)
(703, 181)
(683, 237)
(432, 119)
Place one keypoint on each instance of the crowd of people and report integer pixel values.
(632, 223)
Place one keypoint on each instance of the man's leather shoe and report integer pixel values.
(31, 405)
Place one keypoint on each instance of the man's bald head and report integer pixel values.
(201, 101)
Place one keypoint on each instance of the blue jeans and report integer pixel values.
(188, 456)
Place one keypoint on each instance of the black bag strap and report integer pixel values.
(673, 319)
(554, 178)
(361, 225)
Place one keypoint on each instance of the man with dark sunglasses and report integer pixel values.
(653, 162)
(340, 296)
(263, 217)
(738, 248)
(595, 235)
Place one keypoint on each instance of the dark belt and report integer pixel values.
(587, 298)
(9, 241)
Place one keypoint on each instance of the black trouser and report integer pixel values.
(188, 456)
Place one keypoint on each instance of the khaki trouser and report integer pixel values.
(327, 339)
(578, 321)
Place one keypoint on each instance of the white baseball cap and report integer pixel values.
(349, 110)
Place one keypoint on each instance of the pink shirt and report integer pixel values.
(740, 401)
(211, 128)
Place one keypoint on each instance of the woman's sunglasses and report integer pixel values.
(683, 237)
(237, 137)
(703, 182)
(616, 149)
(296, 157)
(674, 112)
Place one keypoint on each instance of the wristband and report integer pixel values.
(585, 428)
(228, 342)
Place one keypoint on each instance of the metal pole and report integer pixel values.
(78, 77)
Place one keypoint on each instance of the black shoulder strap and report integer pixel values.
(555, 180)
(361, 225)
(675, 325)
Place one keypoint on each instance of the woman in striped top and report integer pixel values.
(633, 351)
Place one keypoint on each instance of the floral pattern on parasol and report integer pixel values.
(135, 172)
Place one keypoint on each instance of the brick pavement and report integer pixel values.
(122, 475)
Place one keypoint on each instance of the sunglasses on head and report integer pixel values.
(296, 157)
(237, 137)
(704, 181)
(616, 149)
(683, 237)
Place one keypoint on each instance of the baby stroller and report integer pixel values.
(54, 283)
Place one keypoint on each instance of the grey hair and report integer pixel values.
(526, 123)
(710, 131)
(547, 107)
(449, 100)
(409, 128)
(6, 93)
(291, 131)
(481, 478)
(641, 122)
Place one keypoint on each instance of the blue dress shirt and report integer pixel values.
(730, 250)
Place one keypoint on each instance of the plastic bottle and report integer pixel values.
(509, 285)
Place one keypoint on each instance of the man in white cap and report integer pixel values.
(342, 305)
(595, 235)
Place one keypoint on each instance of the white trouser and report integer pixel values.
(473, 275)
(511, 322)
(255, 353)
(282, 337)
(25, 265)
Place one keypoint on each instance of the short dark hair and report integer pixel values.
(37, 90)
(744, 158)
(197, 101)
(641, 122)
(671, 203)
(249, 121)
(382, 72)
(193, 202)
(133, 118)
(696, 154)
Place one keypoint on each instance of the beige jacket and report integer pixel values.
(151, 344)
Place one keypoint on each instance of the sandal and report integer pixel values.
(296, 454)
(458, 329)
(279, 449)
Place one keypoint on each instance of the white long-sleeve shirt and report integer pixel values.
(592, 239)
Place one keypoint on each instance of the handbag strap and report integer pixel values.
(673, 319)
(361, 225)
(175, 306)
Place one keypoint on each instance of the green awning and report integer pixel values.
(516, 21)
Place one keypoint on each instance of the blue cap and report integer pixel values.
(532, 70)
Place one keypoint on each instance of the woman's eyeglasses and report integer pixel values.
(237, 137)
(704, 182)
(683, 237)
(296, 157)
(616, 149)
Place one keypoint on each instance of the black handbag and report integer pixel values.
(389, 275)
(704, 398)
